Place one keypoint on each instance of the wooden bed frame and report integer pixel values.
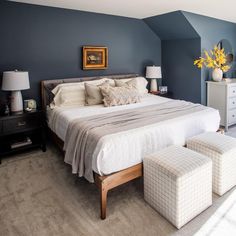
(107, 182)
(104, 183)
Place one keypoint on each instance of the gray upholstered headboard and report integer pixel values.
(48, 85)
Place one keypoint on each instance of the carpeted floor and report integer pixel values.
(39, 196)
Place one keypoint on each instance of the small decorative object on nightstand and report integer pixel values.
(153, 73)
(30, 105)
(15, 81)
(163, 94)
(163, 89)
(19, 132)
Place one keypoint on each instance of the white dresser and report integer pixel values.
(222, 96)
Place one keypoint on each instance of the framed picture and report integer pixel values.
(163, 89)
(30, 105)
(95, 58)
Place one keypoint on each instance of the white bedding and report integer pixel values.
(122, 150)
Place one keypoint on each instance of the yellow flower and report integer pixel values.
(225, 68)
(216, 59)
(210, 65)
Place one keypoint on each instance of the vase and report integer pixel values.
(217, 74)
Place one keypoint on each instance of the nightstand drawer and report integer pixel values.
(20, 123)
(21, 132)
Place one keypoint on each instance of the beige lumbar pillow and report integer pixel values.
(93, 94)
(115, 96)
(140, 83)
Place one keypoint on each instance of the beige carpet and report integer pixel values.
(39, 196)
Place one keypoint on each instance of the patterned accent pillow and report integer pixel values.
(140, 83)
(116, 96)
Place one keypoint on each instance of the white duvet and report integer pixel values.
(122, 150)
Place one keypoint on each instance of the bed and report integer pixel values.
(117, 157)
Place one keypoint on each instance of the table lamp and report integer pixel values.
(153, 73)
(15, 81)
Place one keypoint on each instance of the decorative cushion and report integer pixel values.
(222, 150)
(178, 183)
(114, 96)
(140, 83)
(111, 81)
(93, 95)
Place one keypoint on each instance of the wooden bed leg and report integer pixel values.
(103, 201)
(103, 189)
(108, 182)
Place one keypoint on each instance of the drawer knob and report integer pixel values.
(233, 91)
(233, 102)
(232, 115)
(21, 123)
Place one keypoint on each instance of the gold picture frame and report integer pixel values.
(95, 58)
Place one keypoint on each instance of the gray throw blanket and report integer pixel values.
(83, 134)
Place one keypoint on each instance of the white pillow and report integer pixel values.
(111, 81)
(71, 94)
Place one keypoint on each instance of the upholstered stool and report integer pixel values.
(178, 183)
(222, 150)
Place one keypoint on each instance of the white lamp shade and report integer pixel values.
(15, 80)
(153, 72)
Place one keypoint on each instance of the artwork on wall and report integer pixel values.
(95, 58)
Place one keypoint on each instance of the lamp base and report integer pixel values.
(16, 101)
(153, 87)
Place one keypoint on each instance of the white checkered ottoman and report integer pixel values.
(178, 183)
(222, 150)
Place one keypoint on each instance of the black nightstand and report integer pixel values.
(166, 94)
(20, 132)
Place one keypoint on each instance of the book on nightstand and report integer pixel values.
(22, 143)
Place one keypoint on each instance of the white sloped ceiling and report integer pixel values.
(224, 10)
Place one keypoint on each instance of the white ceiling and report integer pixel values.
(225, 9)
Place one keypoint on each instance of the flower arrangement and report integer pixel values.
(216, 60)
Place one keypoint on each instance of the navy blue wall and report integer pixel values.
(47, 42)
(211, 31)
(171, 26)
(204, 32)
(180, 46)
(179, 73)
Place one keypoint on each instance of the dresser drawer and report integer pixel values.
(232, 117)
(20, 124)
(232, 103)
(232, 91)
